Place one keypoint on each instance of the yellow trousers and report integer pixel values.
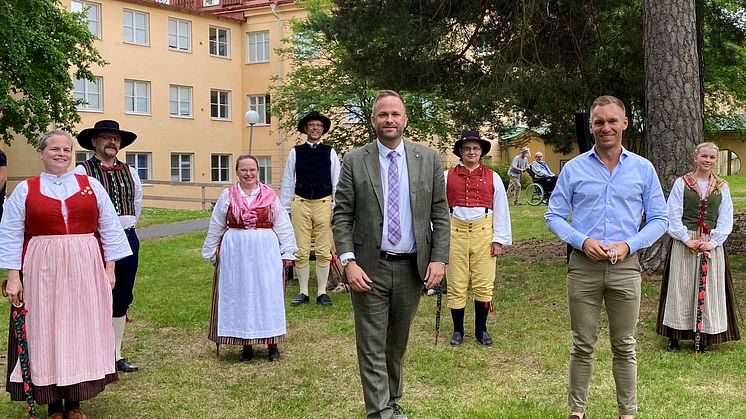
(470, 256)
(312, 218)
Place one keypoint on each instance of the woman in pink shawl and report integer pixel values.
(249, 240)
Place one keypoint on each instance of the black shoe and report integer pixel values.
(398, 412)
(457, 339)
(300, 299)
(273, 354)
(247, 354)
(484, 338)
(703, 348)
(323, 299)
(673, 345)
(125, 366)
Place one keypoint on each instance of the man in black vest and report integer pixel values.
(123, 185)
(308, 185)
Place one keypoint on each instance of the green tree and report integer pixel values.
(546, 60)
(39, 43)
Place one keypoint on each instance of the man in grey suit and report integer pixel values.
(391, 228)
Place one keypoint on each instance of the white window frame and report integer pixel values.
(182, 159)
(256, 46)
(135, 28)
(94, 22)
(223, 102)
(87, 92)
(132, 97)
(259, 103)
(88, 154)
(223, 165)
(179, 95)
(215, 42)
(208, 3)
(265, 169)
(176, 27)
(135, 163)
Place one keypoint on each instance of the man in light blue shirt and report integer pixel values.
(607, 191)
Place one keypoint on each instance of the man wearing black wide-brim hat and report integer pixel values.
(123, 185)
(480, 227)
(308, 187)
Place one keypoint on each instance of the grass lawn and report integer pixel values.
(524, 375)
(153, 216)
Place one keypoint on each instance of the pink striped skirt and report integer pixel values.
(68, 297)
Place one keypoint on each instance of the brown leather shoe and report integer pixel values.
(75, 414)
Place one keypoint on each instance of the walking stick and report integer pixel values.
(438, 302)
(18, 315)
(701, 289)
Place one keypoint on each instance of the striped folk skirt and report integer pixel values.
(677, 306)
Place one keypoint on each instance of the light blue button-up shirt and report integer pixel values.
(608, 207)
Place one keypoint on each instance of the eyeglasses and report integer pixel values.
(468, 149)
(109, 137)
(315, 124)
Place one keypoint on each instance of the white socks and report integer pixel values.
(322, 275)
(118, 323)
(303, 274)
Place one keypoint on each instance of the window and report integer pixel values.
(81, 156)
(136, 27)
(220, 39)
(90, 93)
(179, 34)
(221, 167)
(354, 114)
(220, 104)
(305, 46)
(258, 44)
(180, 103)
(260, 104)
(137, 97)
(265, 170)
(92, 15)
(206, 3)
(141, 163)
(181, 167)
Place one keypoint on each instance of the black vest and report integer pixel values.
(313, 171)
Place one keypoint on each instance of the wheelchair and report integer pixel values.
(535, 192)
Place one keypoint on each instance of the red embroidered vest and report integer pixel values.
(264, 220)
(470, 188)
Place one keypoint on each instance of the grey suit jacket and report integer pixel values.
(358, 210)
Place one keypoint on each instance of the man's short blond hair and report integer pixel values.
(386, 93)
(607, 100)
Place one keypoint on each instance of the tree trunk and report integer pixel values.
(674, 116)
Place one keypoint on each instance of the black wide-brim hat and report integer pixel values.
(106, 125)
(471, 136)
(314, 116)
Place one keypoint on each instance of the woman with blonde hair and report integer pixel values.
(697, 300)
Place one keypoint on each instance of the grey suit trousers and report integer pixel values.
(383, 317)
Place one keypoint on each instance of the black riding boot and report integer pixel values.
(457, 314)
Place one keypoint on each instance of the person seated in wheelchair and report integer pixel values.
(542, 174)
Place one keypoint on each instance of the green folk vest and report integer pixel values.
(701, 212)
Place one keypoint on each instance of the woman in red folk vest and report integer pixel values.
(249, 240)
(54, 229)
(697, 299)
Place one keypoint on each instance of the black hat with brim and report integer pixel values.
(471, 136)
(314, 116)
(106, 125)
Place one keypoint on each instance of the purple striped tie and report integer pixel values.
(393, 199)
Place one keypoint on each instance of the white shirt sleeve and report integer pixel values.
(284, 231)
(138, 193)
(113, 240)
(287, 188)
(12, 228)
(501, 229)
(79, 169)
(336, 167)
(676, 228)
(724, 225)
(217, 227)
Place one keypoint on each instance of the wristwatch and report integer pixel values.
(347, 261)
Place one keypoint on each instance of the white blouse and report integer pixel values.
(113, 239)
(219, 225)
(678, 230)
